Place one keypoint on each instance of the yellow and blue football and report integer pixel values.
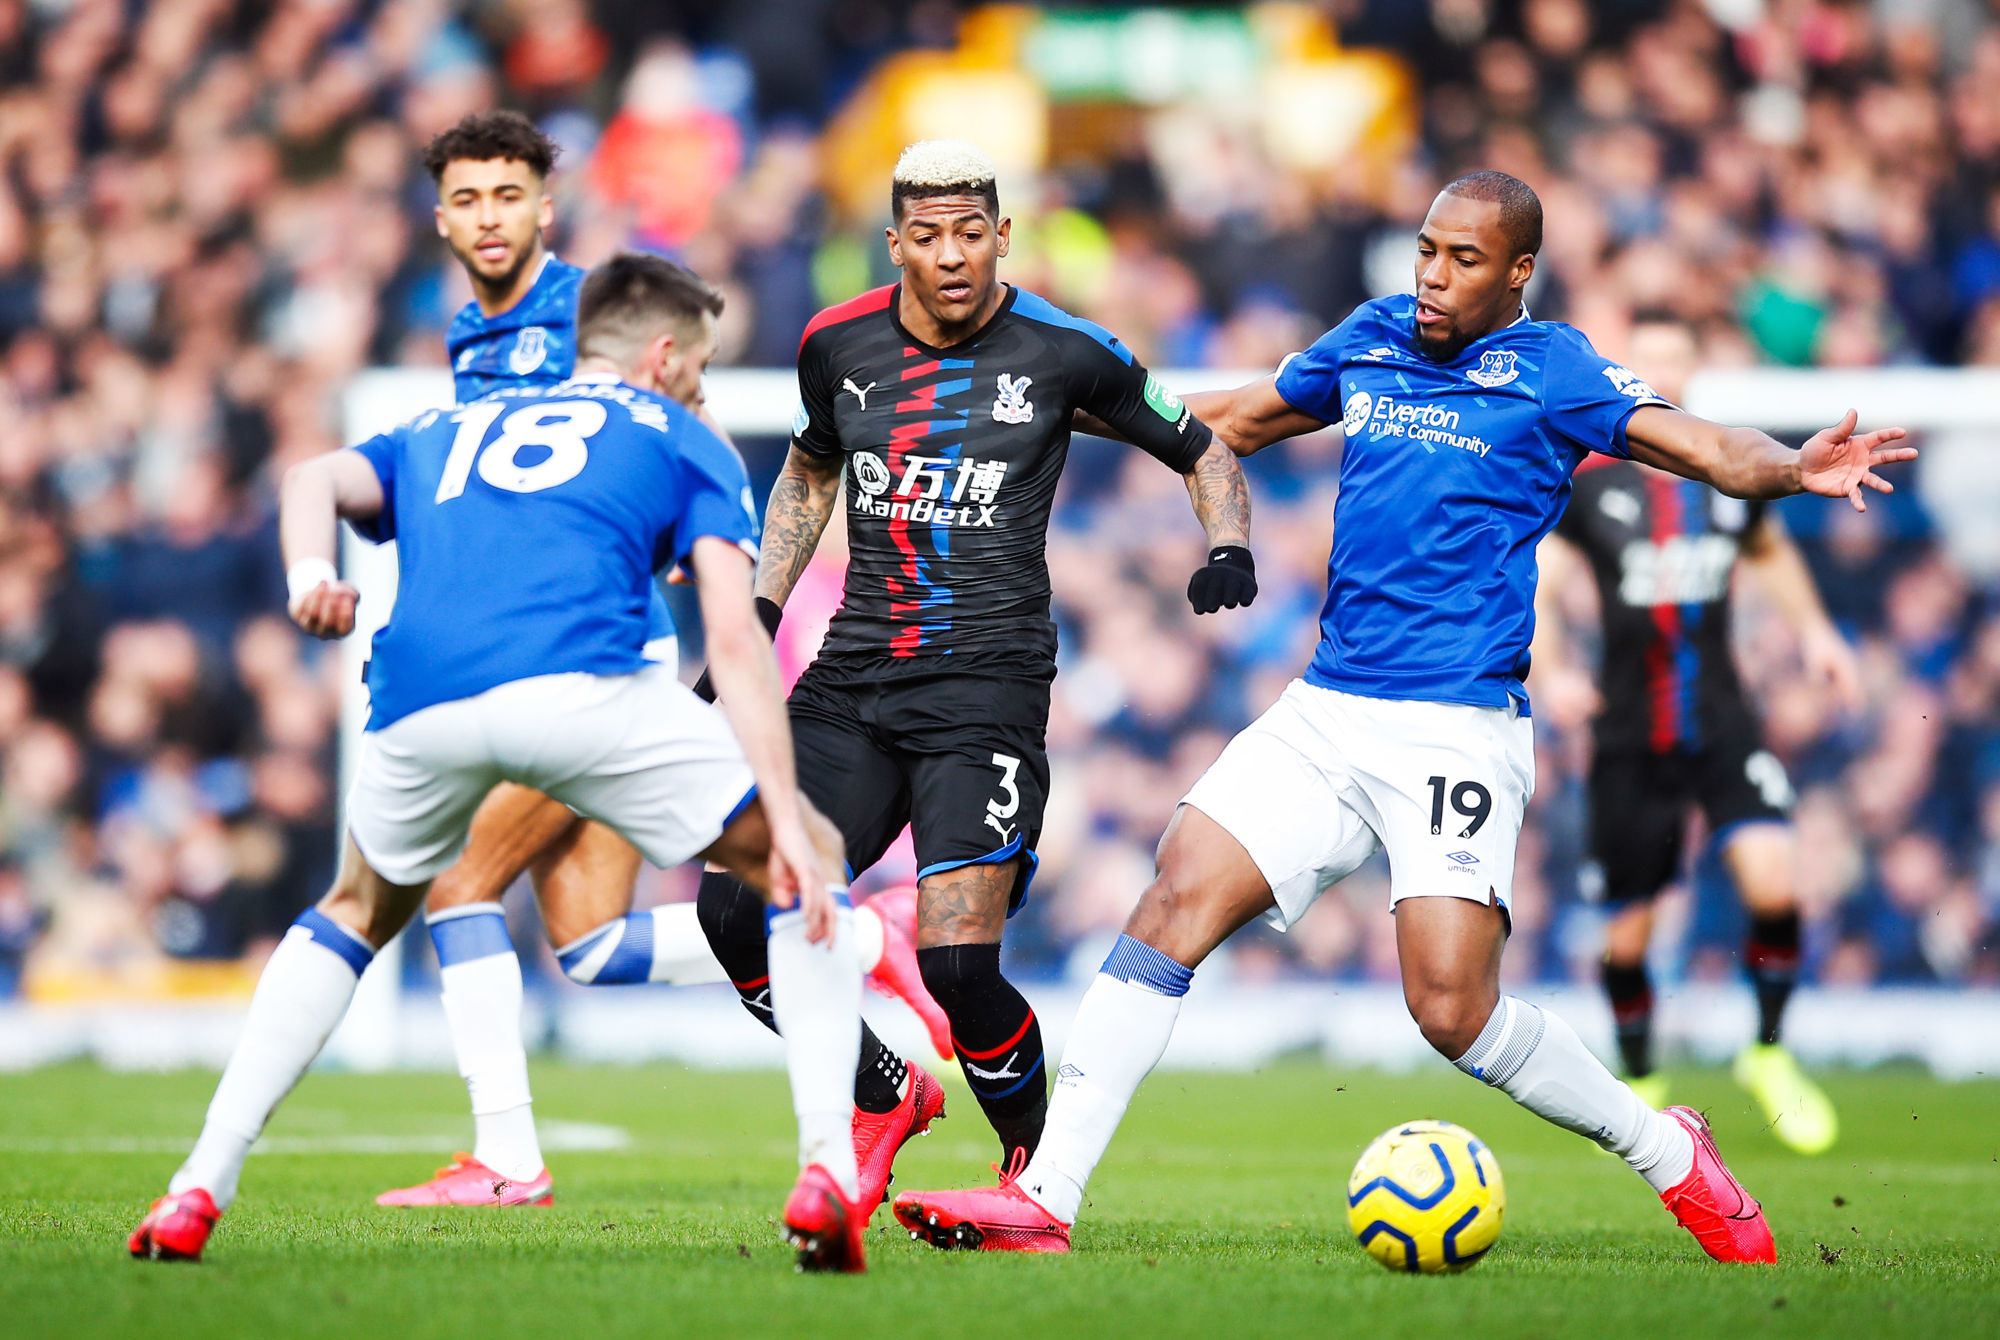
(1426, 1197)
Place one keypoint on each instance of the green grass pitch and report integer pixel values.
(1220, 1212)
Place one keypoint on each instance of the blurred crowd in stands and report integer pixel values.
(212, 217)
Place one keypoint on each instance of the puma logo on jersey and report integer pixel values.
(860, 392)
(1006, 1070)
(1012, 404)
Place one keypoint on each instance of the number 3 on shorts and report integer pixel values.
(1470, 799)
(997, 812)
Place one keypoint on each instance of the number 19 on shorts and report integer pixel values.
(1470, 800)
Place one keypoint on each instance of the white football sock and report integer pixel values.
(1536, 1059)
(681, 954)
(1120, 1033)
(304, 991)
(482, 1007)
(665, 944)
(868, 935)
(481, 979)
(816, 999)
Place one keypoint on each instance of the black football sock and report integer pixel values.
(732, 916)
(1631, 993)
(1772, 955)
(998, 1039)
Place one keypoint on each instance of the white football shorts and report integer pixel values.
(638, 752)
(1322, 779)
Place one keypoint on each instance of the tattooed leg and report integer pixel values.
(960, 914)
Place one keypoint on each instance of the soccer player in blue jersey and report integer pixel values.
(1464, 419)
(491, 170)
(530, 525)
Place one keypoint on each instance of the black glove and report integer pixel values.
(1229, 580)
(769, 613)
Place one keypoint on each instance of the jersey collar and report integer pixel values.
(895, 306)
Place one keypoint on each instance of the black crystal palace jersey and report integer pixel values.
(1662, 549)
(953, 456)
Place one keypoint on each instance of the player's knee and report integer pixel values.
(1450, 1019)
(957, 974)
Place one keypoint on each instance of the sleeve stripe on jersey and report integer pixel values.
(874, 300)
(1037, 308)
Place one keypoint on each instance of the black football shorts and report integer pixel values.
(961, 758)
(1640, 802)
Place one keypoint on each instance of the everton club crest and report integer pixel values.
(1496, 368)
(529, 351)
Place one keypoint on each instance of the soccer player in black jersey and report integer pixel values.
(946, 400)
(1674, 729)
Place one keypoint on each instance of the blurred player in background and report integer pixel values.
(1674, 729)
(530, 525)
(946, 401)
(491, 171)
(1464, 419)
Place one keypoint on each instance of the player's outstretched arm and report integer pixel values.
(752, 694)
(801, 503)
(1250, 418)
(1776, 565)
(1836, 462)
(312, 499)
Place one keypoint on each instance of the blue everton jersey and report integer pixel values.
(1451, 473)
(532, 343)
(530, 525)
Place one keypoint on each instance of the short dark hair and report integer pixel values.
(631, 295)
(901, 194)
(483, 136)
(1520, 207)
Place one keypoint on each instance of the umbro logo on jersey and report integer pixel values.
(1012, 404)
(1496, 367)
(530, 351)
(860, 392)
(1380, 354)
(1462, 857)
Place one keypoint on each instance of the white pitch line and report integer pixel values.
(563, 1137)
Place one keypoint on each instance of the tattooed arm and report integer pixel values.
(1221, 496)
(801, 503)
